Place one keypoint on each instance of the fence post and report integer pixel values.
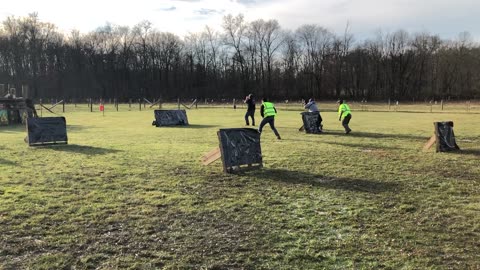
(140, 104)
(178, 103)
(91, 105)
(389, 104)
(63, 105)
(441, 102)
(41, 108)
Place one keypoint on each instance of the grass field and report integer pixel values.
(125, 195)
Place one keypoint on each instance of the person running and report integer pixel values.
(344, 111)
(31, 111)
(312, 107)
(250, 109)
(268, 112)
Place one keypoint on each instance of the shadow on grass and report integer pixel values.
(375, 135)
(201, 126)
(21, 128)
(6, 162)
(474, 152)
(297, 177)
(76, 127)
(82, 149)
(16, 128)
(362, 145)
(190, 126)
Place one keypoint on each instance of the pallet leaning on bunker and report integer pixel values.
(240, 148)
(311, 122)
(46, 131)
(445, 137)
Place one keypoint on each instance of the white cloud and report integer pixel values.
(446, 18)
(436, 16)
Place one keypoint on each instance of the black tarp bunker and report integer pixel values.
(170, 118)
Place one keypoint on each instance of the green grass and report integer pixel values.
(125, 195)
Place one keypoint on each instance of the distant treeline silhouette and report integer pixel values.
(259, 57)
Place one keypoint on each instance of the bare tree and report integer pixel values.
(272, 42)
(234, 28)
(290, 64)
(315, 42)
(116, 61)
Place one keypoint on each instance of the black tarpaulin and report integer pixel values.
(445, 136)
(47, 130)
(4, 120)
(240, 146)
(170, 118)
(311, 122)
(13, 111)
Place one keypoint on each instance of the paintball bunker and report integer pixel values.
(46, 130)
(240, 146)
(445, 137)
(311, 122)
(13, 111)
(170, 118)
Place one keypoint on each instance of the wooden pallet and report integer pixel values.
(435, 139)
(216, 154)
(430, 142)
(243, 163)
(242, 168)
(211, 156)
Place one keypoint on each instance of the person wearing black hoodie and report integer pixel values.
(250, 109)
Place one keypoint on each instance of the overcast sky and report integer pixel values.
(446, 18)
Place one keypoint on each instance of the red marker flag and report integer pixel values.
(102, 107)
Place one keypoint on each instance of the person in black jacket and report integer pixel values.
(250, 109)
(32, 112)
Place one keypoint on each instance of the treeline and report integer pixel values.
(259, 56)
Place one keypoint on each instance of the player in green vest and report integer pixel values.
(344, 111)
(268, 112)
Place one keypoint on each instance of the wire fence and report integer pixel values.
(111, 105)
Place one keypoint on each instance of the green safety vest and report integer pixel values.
(268, 109)
(345, 109)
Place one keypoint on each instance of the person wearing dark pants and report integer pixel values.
(250, 109)
(268, 112)
(32, 112)
(344, 111)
